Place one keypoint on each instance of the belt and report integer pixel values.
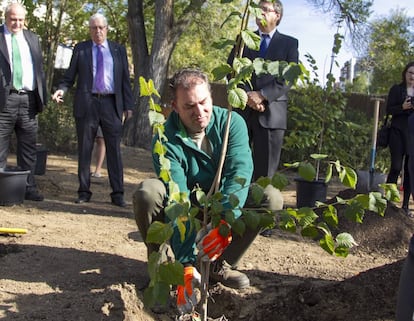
(20, 91)
(103, 95)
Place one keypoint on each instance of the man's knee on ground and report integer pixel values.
(148, 198)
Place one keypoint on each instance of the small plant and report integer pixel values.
(309, 172)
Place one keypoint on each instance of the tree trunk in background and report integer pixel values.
(153, 65)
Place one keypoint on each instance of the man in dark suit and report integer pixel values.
(103, 98)
(266, 110)
(22, 93)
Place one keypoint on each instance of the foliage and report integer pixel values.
(388, 48)
(182, 213)
(57, 127)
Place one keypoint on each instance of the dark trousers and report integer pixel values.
(405, 298)
(19, 116)
(102, 113)
(399, 158)
(266, 146)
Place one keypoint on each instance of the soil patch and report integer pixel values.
(88, 262)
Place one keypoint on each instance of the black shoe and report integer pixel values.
(33, 196)
(118, 202)
(82, 199)
(408, 212)
(221, 271)
(266, 233)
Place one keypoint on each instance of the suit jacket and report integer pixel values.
(81, 71)
(38, 72)
(281, 48)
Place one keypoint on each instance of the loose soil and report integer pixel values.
(87, 262)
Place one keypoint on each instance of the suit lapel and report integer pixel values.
(3, 45)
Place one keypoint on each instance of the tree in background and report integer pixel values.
(388, 48)
(156, 28)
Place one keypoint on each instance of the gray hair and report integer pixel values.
(98, 16)
(10, 6)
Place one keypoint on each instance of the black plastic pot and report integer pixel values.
(12, 186)
(307, 193)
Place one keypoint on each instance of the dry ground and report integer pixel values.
(88, 262)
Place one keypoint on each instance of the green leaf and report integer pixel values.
(237, 98)
(345, 240)
(234, 200)
(251, 218)
(279, 181)
(348, 177)
(310, 231)
(238, 227)
(159, 232)
(172, 273)
(318, 156)
(327, 243)
(330, 216)
(251, 39)
(307, 171)
(222, 72)
(256, 193)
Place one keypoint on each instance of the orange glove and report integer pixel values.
(212, 245)
(186, 297)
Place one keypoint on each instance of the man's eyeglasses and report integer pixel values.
(267, 9)
(97, 27)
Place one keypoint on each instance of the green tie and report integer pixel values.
(17, 64)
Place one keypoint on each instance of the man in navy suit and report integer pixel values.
(266, 110)
(103, 98)
(22, 93)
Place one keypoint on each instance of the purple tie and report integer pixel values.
(99, 76)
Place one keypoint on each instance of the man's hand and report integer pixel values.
(58, 96)
(256, 101)
(186, 296)
(212, 245)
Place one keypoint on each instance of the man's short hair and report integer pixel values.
(187, 78)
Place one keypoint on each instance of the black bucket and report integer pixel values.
(41, 160)
(12, 186)
(307, 193)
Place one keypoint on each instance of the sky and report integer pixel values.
(315, 31)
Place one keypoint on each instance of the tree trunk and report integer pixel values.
(153, 66)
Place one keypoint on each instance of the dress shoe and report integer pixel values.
(33, 196)
(82, 199)
(118, 202)
(266, 233)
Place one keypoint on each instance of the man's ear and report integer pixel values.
(174, 106)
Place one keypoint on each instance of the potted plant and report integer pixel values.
(310, 187)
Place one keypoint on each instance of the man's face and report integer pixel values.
(98, 30)
(269, 17)
(194, 106)
(15, 19)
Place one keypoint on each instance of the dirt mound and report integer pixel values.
(88, 262)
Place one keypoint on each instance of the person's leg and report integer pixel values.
(397, 156)
(405, 296)
(266, 147)
(8, 118)
(224, 269)
(406, 187)
(112, 131)
(148, 206)
(26, 134)
(86, 132)
(99, 152)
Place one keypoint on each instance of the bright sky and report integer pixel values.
(315, 31)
